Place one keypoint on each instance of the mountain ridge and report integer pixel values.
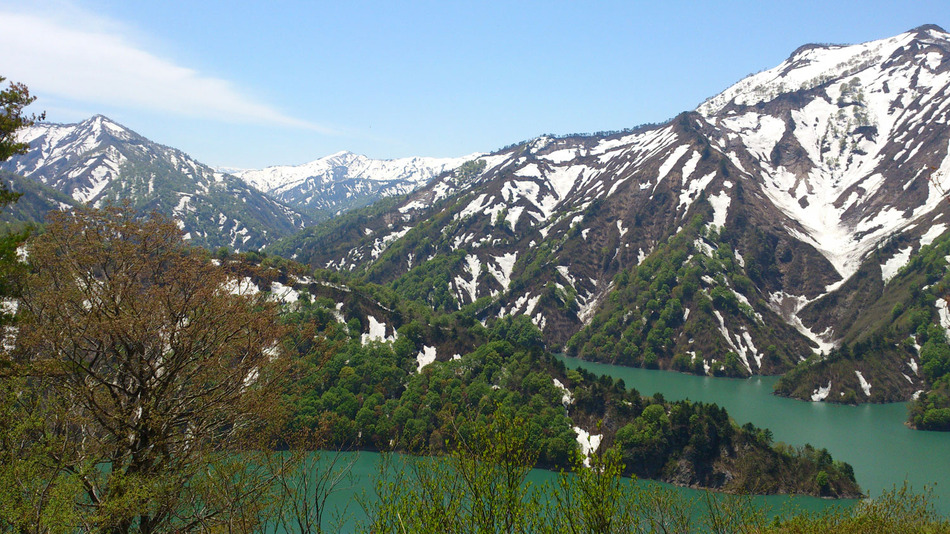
(344, 180)
(98, 161)
(798, 182)
(756, 212)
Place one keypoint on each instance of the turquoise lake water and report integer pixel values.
(871, 437)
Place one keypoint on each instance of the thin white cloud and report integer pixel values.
(96, 64)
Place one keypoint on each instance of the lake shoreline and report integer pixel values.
(872, 437)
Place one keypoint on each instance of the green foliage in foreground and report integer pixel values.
(482, 487)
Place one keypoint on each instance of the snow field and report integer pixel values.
(821, 393)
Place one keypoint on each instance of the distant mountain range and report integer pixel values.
(343, 181)
(776, 221)
(99, 161)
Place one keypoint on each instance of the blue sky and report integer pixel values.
(252, 84)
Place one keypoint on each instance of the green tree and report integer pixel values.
(479, 487)
(596, 497)
(13, 100)
(22, 458)
(935, 359)
(150, 369)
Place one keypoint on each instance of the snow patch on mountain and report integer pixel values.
(282, 293)
(473, 266)
(788, 306)
(693, 188)
(865, 385)
(562, 179)
(821, 393)
(242, 286)
(566, 398)
(426, 356)
(933, 232)
(506, 264)
(890, 267)
(377, 331)
(667, 165)
(529, 171)
(589, 443)
(720, 203)
(944, 314)
(760, 132)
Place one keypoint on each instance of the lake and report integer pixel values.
(365, 470)
(871, 437)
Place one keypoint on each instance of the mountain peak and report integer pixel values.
(927, 28)
(923, 30)
(98, 161)
(99, 118)
(816, 65)
(344, 179)
(806, 47)
(99, 124)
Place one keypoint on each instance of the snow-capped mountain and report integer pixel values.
(98, 161)
(845, 137)
(771, 223)
(344, 180)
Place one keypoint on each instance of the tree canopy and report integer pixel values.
(143, 357)
(13, 100)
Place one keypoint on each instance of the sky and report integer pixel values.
(243, 84)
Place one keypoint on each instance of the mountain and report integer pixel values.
(367, 374)
(760, 233)
(98, 161)
(343, 181)
(845, 137)
(851, 142)
(35, 201)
